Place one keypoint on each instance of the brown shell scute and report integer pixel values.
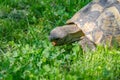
(99, 21)
(97, 7)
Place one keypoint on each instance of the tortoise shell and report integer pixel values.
(99, 21)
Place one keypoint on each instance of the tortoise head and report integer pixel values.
(65, 34)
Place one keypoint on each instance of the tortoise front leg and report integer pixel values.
(86, 44)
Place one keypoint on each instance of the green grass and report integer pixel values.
(27, 54)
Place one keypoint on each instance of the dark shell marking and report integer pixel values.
(100, 21)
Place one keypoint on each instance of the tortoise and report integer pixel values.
(96, 23)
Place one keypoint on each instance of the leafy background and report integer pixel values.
(27, 54)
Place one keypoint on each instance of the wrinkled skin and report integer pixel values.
(68, 34)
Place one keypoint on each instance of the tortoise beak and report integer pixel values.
(53, 40)
(57, 36)
(54, 43)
